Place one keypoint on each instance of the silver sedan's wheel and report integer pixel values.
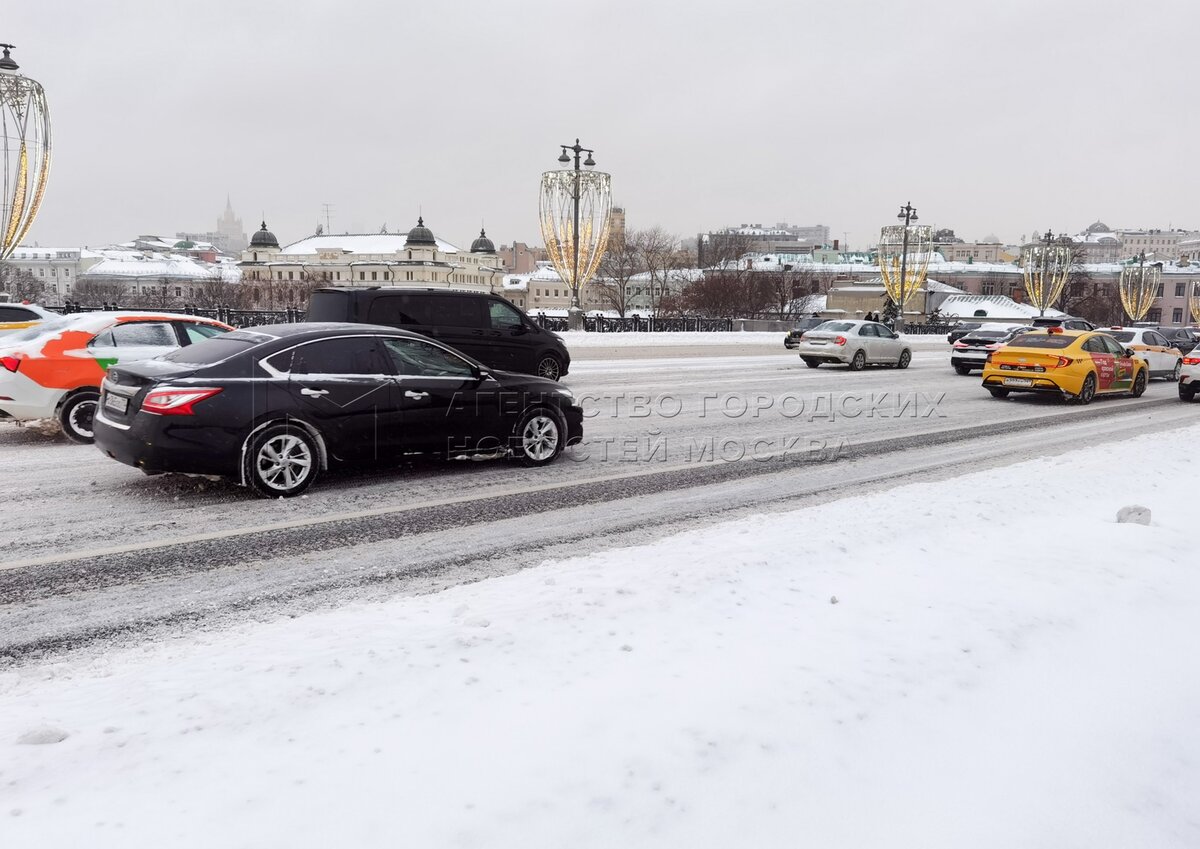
(539, 438)
(281, 461)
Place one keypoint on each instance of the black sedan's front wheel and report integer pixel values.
(281, 461)
(539, 437)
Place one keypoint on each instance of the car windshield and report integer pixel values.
(1050, 340)
(1121, 335)
(216, 349)
(838, 326)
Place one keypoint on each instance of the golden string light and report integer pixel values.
(1139, 287)
(557, 217)
(1045, 266)
(25, 126)
(904, 262)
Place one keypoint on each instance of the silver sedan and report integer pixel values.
(854, 343)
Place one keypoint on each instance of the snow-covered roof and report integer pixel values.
(992, 306)
(148, 265)
(359, 243)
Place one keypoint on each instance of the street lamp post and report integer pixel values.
(575, 208)
(575, 313)
(908, 214)
(896, 243)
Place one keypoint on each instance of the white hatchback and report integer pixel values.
(853, 343)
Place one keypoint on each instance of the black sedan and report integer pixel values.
(273, 406)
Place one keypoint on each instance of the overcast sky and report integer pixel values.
(989, 117)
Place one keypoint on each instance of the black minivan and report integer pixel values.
(481, 325)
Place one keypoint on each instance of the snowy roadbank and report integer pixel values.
(1003, 666)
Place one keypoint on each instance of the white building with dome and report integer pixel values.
(375, 259)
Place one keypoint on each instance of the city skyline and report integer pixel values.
(801, 121)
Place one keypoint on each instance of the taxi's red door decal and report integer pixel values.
(1106, 370)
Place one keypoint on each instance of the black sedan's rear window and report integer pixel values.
(218, 348)
(1052, 340)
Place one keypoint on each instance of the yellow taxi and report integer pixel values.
(1074, 364)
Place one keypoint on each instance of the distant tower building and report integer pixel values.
(616, 224)
(229, 228)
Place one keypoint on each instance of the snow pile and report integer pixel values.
(990, 661)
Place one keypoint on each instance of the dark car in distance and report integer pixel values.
(797, 332)
(1183, 338)
(962, 329)
(483, 326)
(1067, 323)
(274, 406)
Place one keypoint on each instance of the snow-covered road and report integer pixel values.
(100, 549)
(986, 661)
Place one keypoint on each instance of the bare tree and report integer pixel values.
(94, 293)
(664, 260)
(622, 261)
(20, 284)
(161, 296)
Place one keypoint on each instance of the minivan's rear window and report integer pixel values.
(329, 306)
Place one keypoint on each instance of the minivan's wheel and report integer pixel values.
(811, 362)
(77, 415)
(1139, 384)
(549, 367)
(281, 461)
(539, 437)
(905, 358)
(859, 361)
(1088, 391)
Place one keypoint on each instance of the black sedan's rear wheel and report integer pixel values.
(77, 415)
(539, 437)
(549, 367)
(281, 461)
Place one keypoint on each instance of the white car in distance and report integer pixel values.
(857, 344)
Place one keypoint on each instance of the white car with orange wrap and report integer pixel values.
(54, 369)
(1163, 358)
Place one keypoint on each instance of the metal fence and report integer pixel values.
(638, 324)
(592, 324)
(228, 315)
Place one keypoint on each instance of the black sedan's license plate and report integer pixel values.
(115, 403)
